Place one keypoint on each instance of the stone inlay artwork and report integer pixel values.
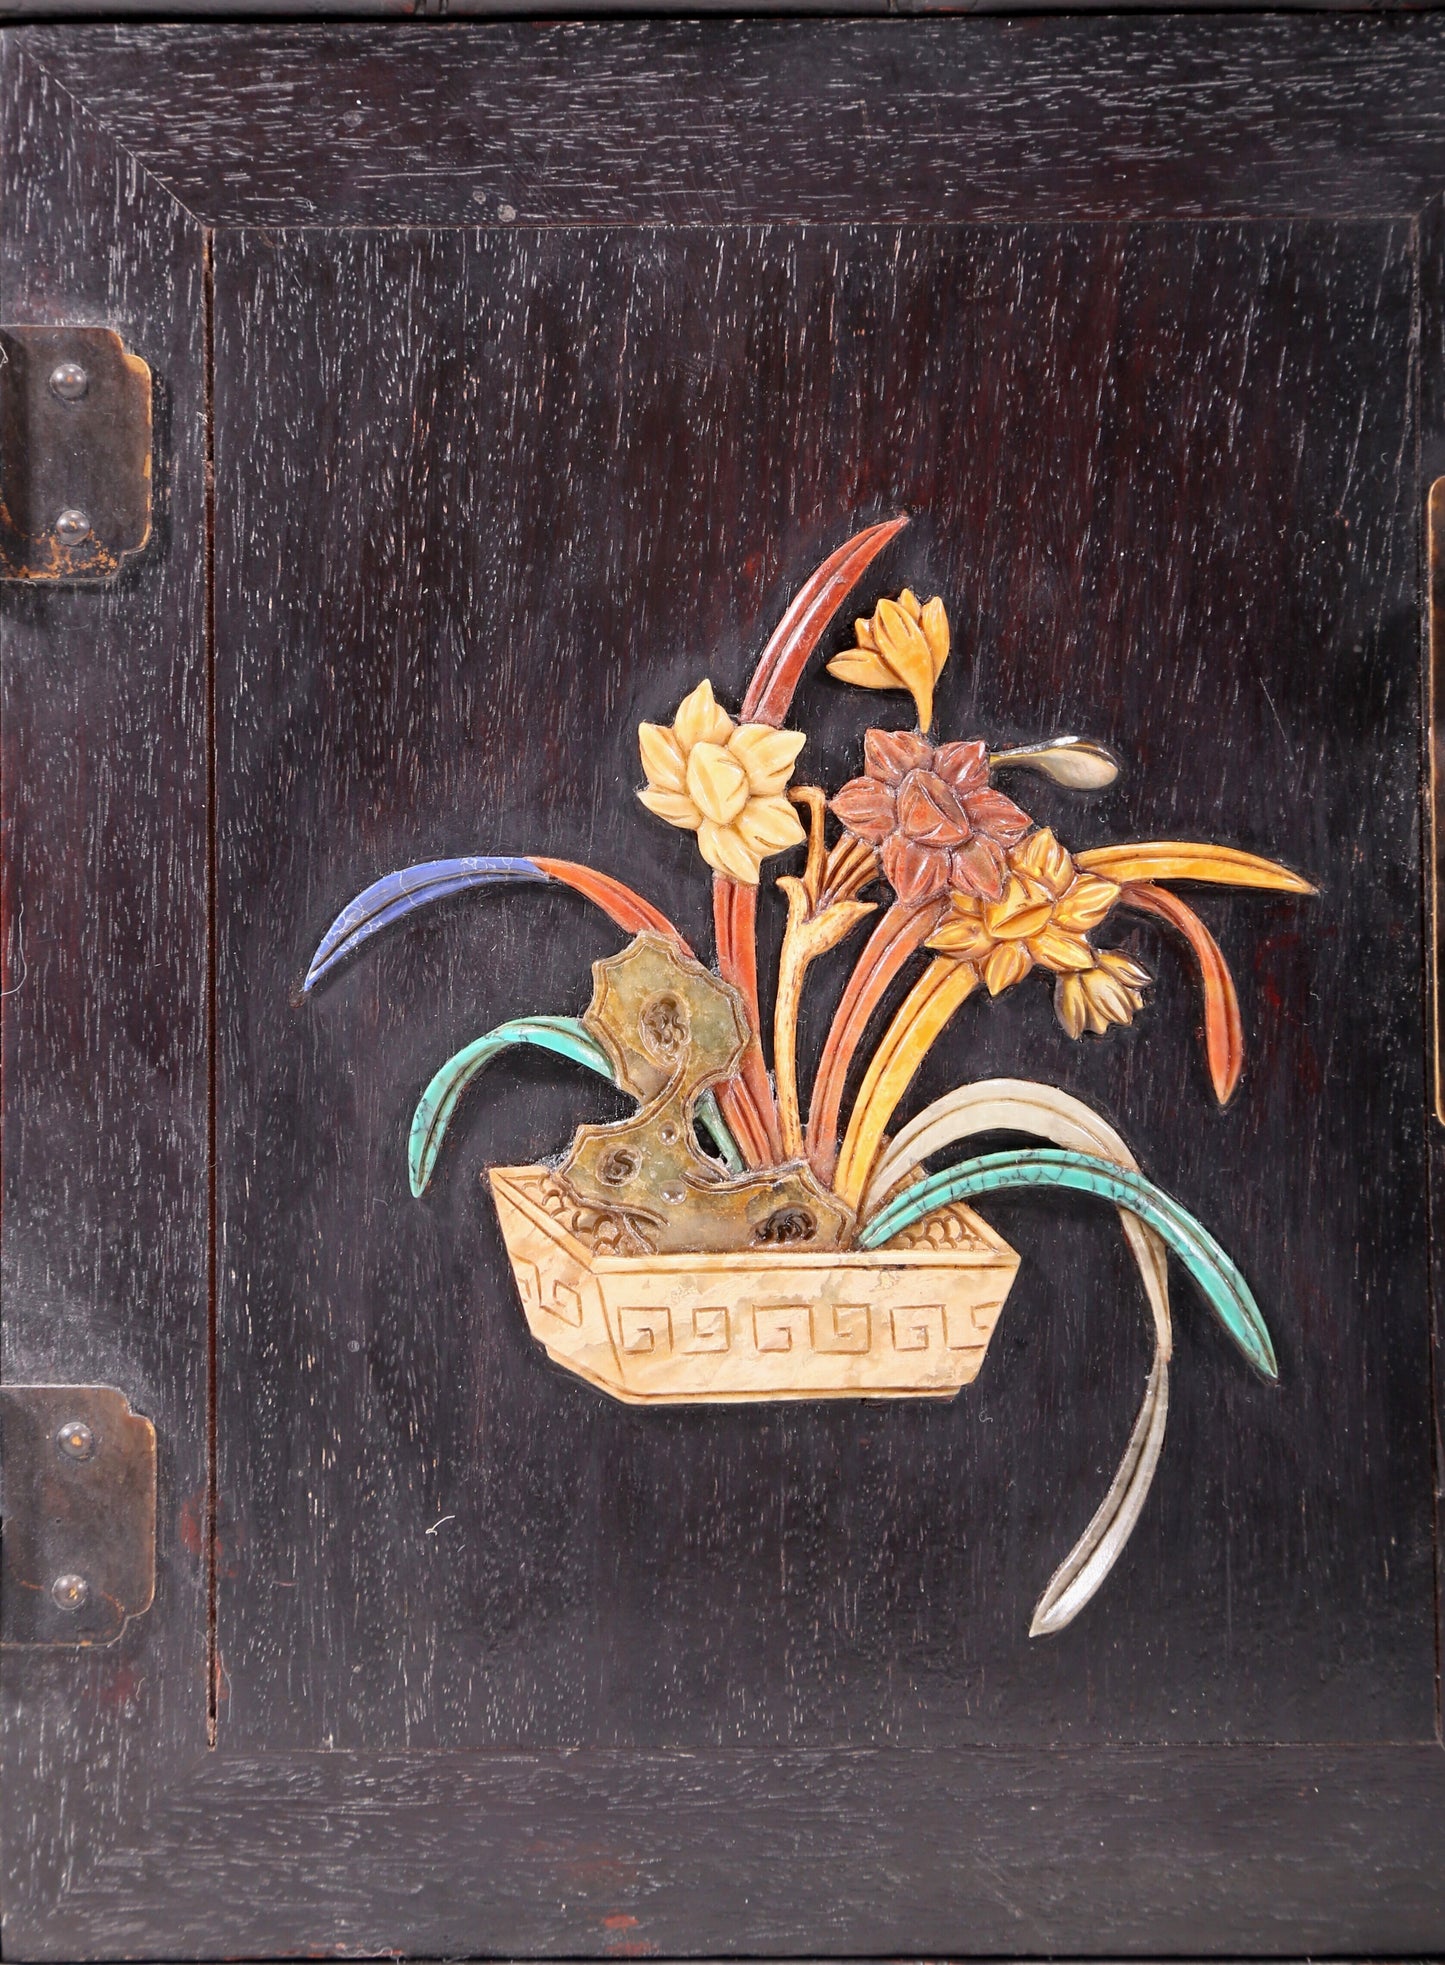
(742, 1237)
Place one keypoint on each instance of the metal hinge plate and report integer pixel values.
(78, 1550)
(75, 453)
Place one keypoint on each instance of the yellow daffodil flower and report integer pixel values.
(726, 782)
(1042, 916)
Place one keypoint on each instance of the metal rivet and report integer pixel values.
(75, 1440)
(73, 525)
(70, 1592)
(506, 213)
(674, 1196)
(667, 1134)
(69, 381)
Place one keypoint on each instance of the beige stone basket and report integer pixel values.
(911, 1320)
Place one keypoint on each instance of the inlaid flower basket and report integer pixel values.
(912, 1320)
(730, 1240)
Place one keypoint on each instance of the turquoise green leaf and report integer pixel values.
(1224, 1289)
(567, 1037)
(710, 1113)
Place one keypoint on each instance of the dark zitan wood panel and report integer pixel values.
(518, 492)
(105, 1007)
(698, 123)
(122, 1837)
(1432, 468)
(233, 10)
(1238, 1853)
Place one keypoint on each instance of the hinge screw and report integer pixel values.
(69, 381)
(73, 525)
(70, 1592)
(75, 1440)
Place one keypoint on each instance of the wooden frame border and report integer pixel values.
(147, 138)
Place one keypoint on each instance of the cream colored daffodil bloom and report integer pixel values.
(726, 782)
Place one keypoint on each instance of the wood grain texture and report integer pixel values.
(518, 493)
(445, 458)
(410, 10)
(105, 1010)
(1262, 1852)
(1432, 467)
(686, 123)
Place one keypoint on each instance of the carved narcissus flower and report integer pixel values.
(726, 782)
(902, 645)
(1042, 916)
(1108, 993)
(931, 811)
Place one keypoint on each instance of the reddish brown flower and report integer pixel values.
(933, 814)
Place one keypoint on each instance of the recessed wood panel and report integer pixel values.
(487, 499)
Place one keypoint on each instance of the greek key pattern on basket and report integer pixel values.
(773, 1327)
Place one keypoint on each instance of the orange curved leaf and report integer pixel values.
(1177, 859)
(1223, 1026)
(626, 908)
(916, 1027)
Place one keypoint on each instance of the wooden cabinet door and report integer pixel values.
(536, 1577)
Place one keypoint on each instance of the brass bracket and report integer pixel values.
(78, 1551)
(75, 453)
(1435, 661)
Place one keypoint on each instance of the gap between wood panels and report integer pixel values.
(212, 1649)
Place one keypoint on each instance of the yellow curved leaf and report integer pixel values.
(1171, 859)
(919, 1022)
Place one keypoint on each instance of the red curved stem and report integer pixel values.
(901, 931)
(742, 1117)
(735, 909)
(811, 609)
(769, 696)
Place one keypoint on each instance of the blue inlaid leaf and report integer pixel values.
(399, 894)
